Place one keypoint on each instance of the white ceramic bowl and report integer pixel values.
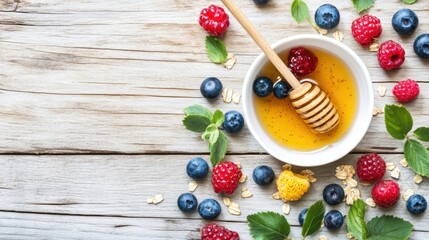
(358, 127)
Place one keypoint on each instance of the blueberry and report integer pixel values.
(327, 16)
(301, 216)
(260, 2)
(281, 90)
(405, 21)
(187, 202)
(333, 220)
(211, 87)
(263, 175)
(421, 45)
(333, 194)
(262, 86)
(234, 121)
(416, 204)
(209, 209)
(197, 168)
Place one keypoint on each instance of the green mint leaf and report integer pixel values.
(209, 131)
(198, 110)
(268, 225)
(218, 149)
(196, 123)
(417, 157)
(216, 50)
(299, 10)
(398, 121)
(313, 219)
(214, 136)
(362, 5)
(409, 1)
(389, 227)
(422, 133)
(218, 118)
(356, 220)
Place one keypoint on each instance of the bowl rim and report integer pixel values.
(339, 153)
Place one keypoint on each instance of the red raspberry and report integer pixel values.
(225, 177)
(365, 29)
(390, 55)
(214, 20)
(406, 90)
(385, 193)
(370, 167)
(301, 62)
(213, 231)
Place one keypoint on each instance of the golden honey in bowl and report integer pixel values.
(283, 124)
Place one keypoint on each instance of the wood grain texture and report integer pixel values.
(115, 74)
(105, 82)
(118, 186)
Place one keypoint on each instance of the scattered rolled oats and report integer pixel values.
(242, 178)
(312, 179)
(344, 171)
(227, 95)
(192, 186)
(418, 179)
(365, 184)
(352, 194)
(158, 198)
(370, 202)
(234, 209)
(276, 196)
(349, 235)
(382, 90)
(395, 173)
(323, 31)
(236, 97)
(286, 208)
(287, 166)
(238, 164)
(230, 61)
(226, 201)
(351, 182)
(246, 193)
(323, 237)
(307, 172)
(338, 35)
(374, 47)
(407, 194)
(404, 163)
(376, 111)
(390, 166)
(149, 200)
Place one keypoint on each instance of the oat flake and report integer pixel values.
(404, 163)
(390, 166)
(395, 173)
(286, 208)
(407, 194)
(230, 61)
(418, 179)
(382, 90)
(242, 178)
(370, 202)
(226, 201)
(158, 198)
(276, 196)
(192, 186)
(234, 209)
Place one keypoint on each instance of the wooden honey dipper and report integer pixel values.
(309, 101)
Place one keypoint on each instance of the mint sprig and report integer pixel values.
(274, 226)
(313, 219)
(268, 225)
(362, 5)
(216, 50)
(356, 220)
(409, 1)
(300, 12)
(201, 120)
(399, 124)
(378, 228)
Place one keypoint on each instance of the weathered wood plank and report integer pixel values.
(40, 226)
(118, 185)
(46, 121)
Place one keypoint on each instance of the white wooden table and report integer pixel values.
(91, 99)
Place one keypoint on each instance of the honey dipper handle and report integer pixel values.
(257, 37)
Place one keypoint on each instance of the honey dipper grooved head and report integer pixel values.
(314, 107)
